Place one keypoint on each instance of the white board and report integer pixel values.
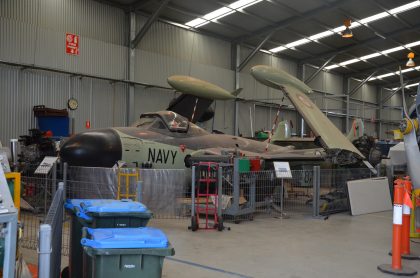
(282, 170)
(369, 195)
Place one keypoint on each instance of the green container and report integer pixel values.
(100, 213)
(244, 165)
(132, 261)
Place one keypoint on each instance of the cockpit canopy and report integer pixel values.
(163, 120)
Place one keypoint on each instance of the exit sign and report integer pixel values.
(72, 44)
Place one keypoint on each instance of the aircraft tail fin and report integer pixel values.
(282, 131)
(236, 92)
(357, 130)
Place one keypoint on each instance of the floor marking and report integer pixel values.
(209, 268)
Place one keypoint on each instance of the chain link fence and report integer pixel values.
(167, 193)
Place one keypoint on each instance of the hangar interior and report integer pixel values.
(118, 69)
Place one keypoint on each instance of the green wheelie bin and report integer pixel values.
(100, 213)
(128, 253)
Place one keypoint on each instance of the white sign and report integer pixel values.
(282, 170)
(46, 165)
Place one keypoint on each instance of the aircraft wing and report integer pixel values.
(184, 105)
(330, 136)
(299, 155)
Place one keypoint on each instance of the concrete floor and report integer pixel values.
(342, 246)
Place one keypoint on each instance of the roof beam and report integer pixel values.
(385, 99)
(253, 52)
(354, 90)
(148, 24)
(310, 78)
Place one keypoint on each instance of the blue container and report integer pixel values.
(146, 237)
(58, 125)
(100, 213)
(128, 252)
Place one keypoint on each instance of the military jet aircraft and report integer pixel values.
(167, 139)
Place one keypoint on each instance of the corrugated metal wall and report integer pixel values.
(33, 32)
(101, 102)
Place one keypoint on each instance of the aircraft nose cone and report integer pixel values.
(96, 148)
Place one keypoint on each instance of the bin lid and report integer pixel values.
(125, 238)
(105, 206)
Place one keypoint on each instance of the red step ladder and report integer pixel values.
(205, 197)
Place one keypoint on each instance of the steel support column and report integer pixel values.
(131, 73)
(237, 52)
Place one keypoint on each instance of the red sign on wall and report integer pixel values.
(72, 44)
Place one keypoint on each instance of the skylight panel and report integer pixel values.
(321, 35)
(332, 67)
(412, 44)
(359, 23)
(370, 56)
(217, 13)
(195, 22)
(241, 3)
(398, 48)
(405, 7)
(348, 62)
(374, 17)
(278, 49)
(296, 43)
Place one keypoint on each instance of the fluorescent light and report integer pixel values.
(332, 67)
(385, 75)
(321, 35)
(412, 44)
(405, 7)
(278, 49)
(374, 17)
(195, 22)
(250, 4)
(348, 62)
(373, 55)
(240, 3)
(296, 43)
(398, 48)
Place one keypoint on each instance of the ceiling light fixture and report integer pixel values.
(410, 62)
(222, 12)
(347, 33)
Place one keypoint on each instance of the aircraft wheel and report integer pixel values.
(65, 272)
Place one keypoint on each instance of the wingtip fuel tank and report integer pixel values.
(277, 78)
(199, 88)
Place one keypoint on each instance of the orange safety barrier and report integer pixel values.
(397, 228)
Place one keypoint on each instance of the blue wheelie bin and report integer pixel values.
(128, 253)
(100, 213)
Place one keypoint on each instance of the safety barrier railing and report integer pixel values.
(50, 238)
(167, 193)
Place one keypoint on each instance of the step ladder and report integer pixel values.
(127, 178)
